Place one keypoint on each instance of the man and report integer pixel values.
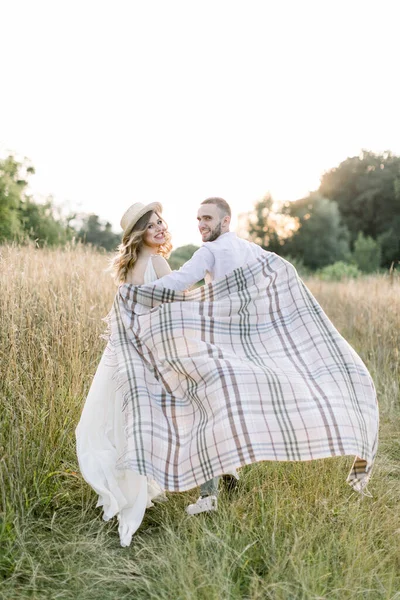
(222, 252)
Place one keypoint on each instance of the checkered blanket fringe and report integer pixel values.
(243, 370)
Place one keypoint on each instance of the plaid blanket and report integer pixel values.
(242, 370)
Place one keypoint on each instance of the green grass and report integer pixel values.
(290, 530)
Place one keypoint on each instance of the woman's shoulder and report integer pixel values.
(160, 265)
(158, 259)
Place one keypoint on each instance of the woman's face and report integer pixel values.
(155, 232)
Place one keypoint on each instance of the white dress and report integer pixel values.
(100, 442)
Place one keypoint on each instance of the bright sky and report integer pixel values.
(122, 101)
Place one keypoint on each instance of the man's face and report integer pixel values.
(210, 222)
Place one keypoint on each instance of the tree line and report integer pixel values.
(22, 218)
(353, 217)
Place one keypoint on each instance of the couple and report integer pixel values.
(195, 384)
(141, 259)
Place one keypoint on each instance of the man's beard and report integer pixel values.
(215, 233)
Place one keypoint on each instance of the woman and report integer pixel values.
(141, 259)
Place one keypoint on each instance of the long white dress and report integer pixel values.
(100, 442)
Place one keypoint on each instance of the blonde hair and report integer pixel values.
(130, 246)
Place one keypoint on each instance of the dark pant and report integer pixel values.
(210, 488)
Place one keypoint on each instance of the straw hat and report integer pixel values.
(137, 210)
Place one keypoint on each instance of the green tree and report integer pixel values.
(338, 271)
(367, 254)
(390, 246)
(367, 190)
(13, 182)
(320, 238)
(20, 216)
(39, 222)
(263, 225)
(97, 233)
(181, 255)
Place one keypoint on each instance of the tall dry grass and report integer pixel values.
(290, 531)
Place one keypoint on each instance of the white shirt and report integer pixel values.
(213, 261)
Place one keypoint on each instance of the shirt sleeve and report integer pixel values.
(191, 272)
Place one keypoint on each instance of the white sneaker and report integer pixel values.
(206, 504)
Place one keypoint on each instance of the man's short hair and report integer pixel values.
(222, 204)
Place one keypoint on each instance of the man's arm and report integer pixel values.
(191, 272)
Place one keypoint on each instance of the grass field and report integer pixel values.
(291, 531)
